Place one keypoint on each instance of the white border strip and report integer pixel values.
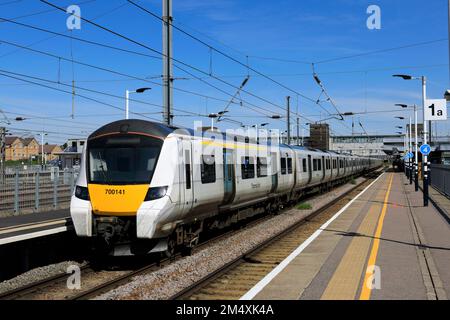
(32, 235)
(269, 277)
(32, 226)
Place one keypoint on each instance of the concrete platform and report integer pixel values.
(24, 227)
(382, 246)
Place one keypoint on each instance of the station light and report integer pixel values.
(403, 76)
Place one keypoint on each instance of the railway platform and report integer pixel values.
(383, 245)
(24, 227)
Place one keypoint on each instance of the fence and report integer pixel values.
(440, 178)
(35, 190)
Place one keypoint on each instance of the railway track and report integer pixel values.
(37, 287)
(234, 279)
(95, 282)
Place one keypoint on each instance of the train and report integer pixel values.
(145, 187)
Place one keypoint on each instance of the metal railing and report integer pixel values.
(35, 190)
(440, 178)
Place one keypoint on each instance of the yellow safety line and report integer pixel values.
(366, 290)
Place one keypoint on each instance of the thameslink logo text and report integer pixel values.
(226, 310)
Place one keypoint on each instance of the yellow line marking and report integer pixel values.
(346, 279)
(366, 290)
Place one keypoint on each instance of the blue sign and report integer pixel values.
(425, 149)
(409, 155)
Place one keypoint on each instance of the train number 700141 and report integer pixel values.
(115, 192)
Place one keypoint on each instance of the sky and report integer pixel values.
(282, 42)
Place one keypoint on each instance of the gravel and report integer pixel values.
(36, 274)
(164, 283)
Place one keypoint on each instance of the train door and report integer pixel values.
(188, 184)
(228, 176)
(324, 168)
(310, 169)
(339, 166)
(274, 165)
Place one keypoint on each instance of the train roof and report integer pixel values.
(154, 128)
(162, 130)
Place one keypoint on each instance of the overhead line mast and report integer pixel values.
(167, 61)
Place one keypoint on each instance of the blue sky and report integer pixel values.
(300, 30)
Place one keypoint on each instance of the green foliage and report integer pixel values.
(304, 206)
(16, 163)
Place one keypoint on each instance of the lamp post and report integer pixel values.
(42, 147)
(405, 147)
(127, 100)
(257, 131)
(416, 146)
(426, 165)
(213, 116)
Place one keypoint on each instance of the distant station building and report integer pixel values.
(387, 145)
(70, 157)
(369, 146)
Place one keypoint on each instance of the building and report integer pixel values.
(20, 148)
(320, 136)
(370, 146)
(70, 157)
(51, 152)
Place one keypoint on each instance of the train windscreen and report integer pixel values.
(127, 159)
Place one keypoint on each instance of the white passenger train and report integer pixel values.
(146, 187)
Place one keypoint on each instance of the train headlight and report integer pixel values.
(82, 193)
(155, 193)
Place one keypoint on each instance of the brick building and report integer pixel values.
(20, 148)
(51, 152)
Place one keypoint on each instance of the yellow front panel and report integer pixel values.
(117, 200)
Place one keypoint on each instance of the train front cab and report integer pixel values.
(123, 190)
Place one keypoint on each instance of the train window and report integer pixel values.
(315, 165)
(289, 165)
(334, 164)
(261, 167)
(283, 166)
(319, 165)
(208, 169)
(305, 169)
(248, 168)
(123, 160)
(187, 159)
(328, 164)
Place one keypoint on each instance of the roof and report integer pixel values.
(10, 140)
(48, 148)
(27, 141)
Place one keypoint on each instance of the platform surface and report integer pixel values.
(384, 246)
(24, 227)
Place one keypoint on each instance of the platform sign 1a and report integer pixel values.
(425, 149)
(435, 110)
